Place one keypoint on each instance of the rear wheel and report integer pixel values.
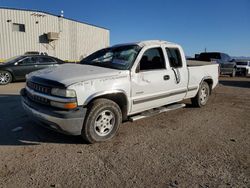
(202, 96)
(102, 121)
(5, 77)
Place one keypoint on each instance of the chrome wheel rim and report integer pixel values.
(104, 123)
(204, 95)
(4, 77)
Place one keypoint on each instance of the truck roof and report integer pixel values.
(145, 43)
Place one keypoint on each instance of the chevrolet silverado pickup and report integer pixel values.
(123, 82)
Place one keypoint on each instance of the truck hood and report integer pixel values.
(68, 74)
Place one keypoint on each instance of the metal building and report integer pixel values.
(28, 30)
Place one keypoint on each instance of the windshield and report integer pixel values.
(121, 57)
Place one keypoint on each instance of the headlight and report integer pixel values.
(63, 92)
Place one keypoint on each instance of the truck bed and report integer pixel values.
(198, 70)
(192, 63)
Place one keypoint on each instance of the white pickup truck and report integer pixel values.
(123, 82)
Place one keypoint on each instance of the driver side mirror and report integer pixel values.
(16, 63)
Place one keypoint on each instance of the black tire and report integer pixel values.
(233, 73)
(202, 96)
(245, 73)
(102, 121)
(5, 77)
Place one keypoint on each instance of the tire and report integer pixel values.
(233, 73)
(102, 121)
(202, 96)
(245, 73)
(5, 77)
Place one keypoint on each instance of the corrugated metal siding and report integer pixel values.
(76, 40)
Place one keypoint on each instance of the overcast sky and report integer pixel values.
(217, 25)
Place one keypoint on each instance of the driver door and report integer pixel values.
(154, 83)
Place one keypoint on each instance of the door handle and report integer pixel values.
(166, 77)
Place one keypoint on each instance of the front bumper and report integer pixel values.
(241, 69)
(67, 122)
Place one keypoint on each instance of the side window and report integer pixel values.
(174, 57)
(152, 59)
(28, 61)
(45, 60)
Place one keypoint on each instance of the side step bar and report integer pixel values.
(155, 111)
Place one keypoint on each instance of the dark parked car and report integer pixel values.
(227, 64)
(35, 53)
(16, 68)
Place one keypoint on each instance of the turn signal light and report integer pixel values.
(68, 106)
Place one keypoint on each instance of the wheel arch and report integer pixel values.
(117, 96)
(209, 81)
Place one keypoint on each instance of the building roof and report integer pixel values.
(32, 10)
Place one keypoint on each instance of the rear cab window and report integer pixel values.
(174, 57)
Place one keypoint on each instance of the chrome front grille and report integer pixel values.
(39, 88)
(242, 63)
(38, 99)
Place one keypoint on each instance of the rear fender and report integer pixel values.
(209, 80)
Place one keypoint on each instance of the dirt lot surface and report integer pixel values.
(190, 147)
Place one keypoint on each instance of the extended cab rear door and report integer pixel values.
(177, 64)
(153, 82)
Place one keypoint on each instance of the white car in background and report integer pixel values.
(243, 67)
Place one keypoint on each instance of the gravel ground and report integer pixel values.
(189, 147)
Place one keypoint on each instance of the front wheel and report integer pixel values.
(5, 77)
(102, 121)
(202, 96)
(233, 73)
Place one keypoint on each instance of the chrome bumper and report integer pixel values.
(68, 123)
